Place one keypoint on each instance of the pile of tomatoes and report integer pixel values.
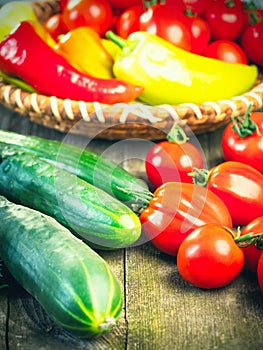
(229, 30)
(214, 251)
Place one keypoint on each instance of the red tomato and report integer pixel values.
(176, 210)
(129, 21)
(226, 50)
(260, 272)
(209, 257)
(54, 26)
(96, 14)
(252, 16)
(252, 43)
(252, 252)
(171, 161)
(240, 187)
(225, 20)
(180, 5)
(197, 6)
(168, 23)
(200, 34)
(124, 4)
(246, 144)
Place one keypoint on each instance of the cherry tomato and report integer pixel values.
(252, 252)
(242, 140)
(54, 26)
(124, 4)
(197, 6)
(173, 160)
(252, 43)
(200, 34)
(226, 50)
(240, 187)
(180, 5)
(129, 21)
(96, 14)
(225, 20)
(260, 272)
(209, 257)
(176, 210)
(252, 16)
(168, 23)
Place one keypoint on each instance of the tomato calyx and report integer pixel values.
(249, 239)
(244, 126)
(200, 176)
(177, 135)
(142, 202)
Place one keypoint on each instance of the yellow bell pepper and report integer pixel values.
(171, 75)
(84, 50)
(14, 12)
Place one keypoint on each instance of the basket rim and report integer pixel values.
(61, 114)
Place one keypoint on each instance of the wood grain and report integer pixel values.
(161, 311)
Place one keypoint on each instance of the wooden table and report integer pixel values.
(161, 311)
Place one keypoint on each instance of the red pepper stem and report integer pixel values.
(249, 239)
(244, 126)
(177, 135)
(200, 176)
(116, 39)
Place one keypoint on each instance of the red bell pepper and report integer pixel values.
(25, 55)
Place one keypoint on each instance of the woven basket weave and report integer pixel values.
(121, 121)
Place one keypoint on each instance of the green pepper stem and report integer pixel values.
(177, 135)
(200, 176)
(244, 126)
(17, 82)
(116, 39)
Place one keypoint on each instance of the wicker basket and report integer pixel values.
(123, 121)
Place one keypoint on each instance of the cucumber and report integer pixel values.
(88, 165)
(101, 220)
(73, 284)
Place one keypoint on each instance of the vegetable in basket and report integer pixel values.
(85, 51)
(25, 55)
(14, 12)
(74, 285)
(171, 75)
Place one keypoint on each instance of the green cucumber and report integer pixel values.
(89, 212)
(74, 285)
(88, 165)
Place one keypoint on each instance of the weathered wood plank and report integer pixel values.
(161, 311)
(164, 312)
(3, 317)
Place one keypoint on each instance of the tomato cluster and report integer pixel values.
(229, 30)
(209, 252)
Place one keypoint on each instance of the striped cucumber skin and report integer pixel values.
(87, 165)
(74, 285)
(101, 220)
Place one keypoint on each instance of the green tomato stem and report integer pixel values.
(200, 176)
(244, 126)
(250, 239)
(177, 135)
